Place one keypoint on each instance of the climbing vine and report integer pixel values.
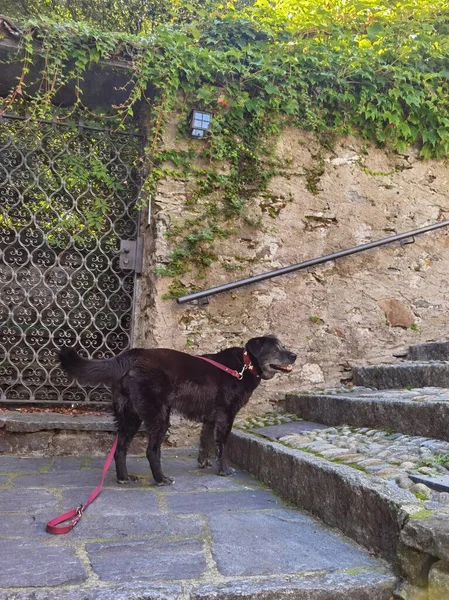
(377, 69)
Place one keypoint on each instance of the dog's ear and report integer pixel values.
(255, 345)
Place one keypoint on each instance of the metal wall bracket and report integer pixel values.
(409, 240)
(131, 255)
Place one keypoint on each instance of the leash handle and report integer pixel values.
(76, 513)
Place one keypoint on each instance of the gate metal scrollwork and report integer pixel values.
(67, 196)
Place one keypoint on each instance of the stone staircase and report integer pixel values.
(371, 460)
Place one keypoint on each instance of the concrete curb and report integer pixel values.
(410, 417)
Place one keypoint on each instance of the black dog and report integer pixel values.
(148, 384)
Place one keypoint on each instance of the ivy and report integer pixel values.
(369, 67)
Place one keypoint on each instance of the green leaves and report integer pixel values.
(376, 67)
(374, 30)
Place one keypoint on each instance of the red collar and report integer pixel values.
(247, 366)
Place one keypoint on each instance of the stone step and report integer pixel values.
(203, 538)
(50, 433)
(402, 375)
(372, 500)
(420, 411)
(429, 351)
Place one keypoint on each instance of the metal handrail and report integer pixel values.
(310, 263)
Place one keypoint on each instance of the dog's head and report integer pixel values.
(269, 356)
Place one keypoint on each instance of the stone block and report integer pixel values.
(429, 535)
(237, 538)
(439, 581)
(408, 591)
(413, 564)
(34, 564)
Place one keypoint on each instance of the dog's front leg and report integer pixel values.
(223, 428)
(206, 441)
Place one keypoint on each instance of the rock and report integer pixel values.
(407, 591)
(422, 490)
(356, 196)
(430, 534)
(312, 373)
(334, 453)
(439, 581)
(397, 313)
(413, 564)
(404, 482)
(346, 159)
(407, 465)
(331, 431)
(426, 471)
(443, 497)
(388, 472)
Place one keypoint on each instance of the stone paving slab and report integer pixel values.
(232, 539)
(13, 464)
(238, 537)
(142, 561)
(32, 563)
(12, 501)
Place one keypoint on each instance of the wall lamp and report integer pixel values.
(200, 123)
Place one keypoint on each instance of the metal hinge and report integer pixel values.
(131, 255)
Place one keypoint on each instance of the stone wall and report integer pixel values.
(358, 310)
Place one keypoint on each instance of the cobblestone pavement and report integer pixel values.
(386, 454)
(204, 537)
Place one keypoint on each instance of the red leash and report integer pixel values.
(77, 513)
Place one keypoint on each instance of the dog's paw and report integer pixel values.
(202, 464)
(130, 479)
(165, 481)
(227, 472)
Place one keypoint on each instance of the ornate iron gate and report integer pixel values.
(67, 197)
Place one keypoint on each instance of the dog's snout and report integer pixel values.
(292, 356)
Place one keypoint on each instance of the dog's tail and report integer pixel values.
(89, 371)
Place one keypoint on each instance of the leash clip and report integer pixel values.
(79, 514)
(241, 373)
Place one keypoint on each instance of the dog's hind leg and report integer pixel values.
(128, 424)
(157, 428)
(206, 442)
